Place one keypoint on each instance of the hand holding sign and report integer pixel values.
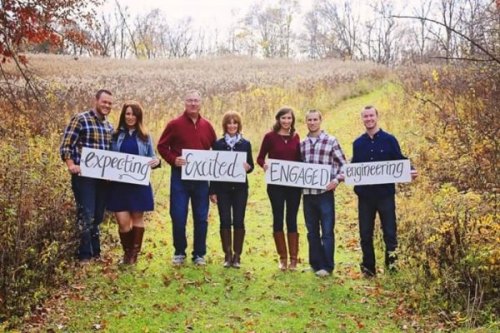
(104, 164)
(297, 174)
(371, 173)
(214, 165)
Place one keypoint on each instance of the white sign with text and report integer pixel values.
(110, 165)
(297, 174)
(214, 165)
(371, 173)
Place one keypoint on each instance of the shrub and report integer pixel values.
(450, 227)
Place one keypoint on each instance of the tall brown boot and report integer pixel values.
(279, 240)
(293, 249)
(239, 237)
(138, 234)
(126, 242)
(225, 237)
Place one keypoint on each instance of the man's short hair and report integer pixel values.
(192, 91)
(102, 91)
(369, 107)
(314, 111)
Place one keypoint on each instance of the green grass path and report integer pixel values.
(156, 297)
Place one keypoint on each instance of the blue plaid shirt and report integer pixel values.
(323, 149)
(85, 130)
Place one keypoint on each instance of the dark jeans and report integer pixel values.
(386, 208)
(90, 197)
(181, 191)
(232, 204)
(279, 196)
(319, 214)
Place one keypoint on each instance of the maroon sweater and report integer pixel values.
(182, 133)
(279, 147)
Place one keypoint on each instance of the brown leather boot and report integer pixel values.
(293, 249)
(225, 237)
(279, 240)
(138, 234)
(239, 237)
(126, 242)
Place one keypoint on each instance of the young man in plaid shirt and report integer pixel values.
(88, 129)
(319, 205)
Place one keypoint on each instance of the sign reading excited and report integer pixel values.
(120, 167)
(371, 173)
(298, 174)
(214, 165)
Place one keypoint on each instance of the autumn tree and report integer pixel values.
(271, 27)
(26, 23)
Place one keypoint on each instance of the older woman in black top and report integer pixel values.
(231, 198)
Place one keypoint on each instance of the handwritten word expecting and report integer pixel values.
(297, 174)
(214, 165)
(126, 168)
(371, 173)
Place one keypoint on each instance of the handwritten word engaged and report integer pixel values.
(103, 164)
(297, 174)
(212, 165)
(371, 173)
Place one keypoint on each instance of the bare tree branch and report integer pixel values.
(473, 42)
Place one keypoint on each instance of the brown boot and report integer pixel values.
(138, 234)
(293, 249)
(126, 241)
(239, 237)
(225, 237)
(279, 240)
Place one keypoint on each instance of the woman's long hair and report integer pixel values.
(142, 132)
(284, 110)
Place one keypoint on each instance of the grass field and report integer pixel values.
(154, 296)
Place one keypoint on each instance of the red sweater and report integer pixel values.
(182, 133)
(277, 147)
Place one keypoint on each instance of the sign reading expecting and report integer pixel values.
(298, 174)
(110, 165)
(371, 173)
(214, 165)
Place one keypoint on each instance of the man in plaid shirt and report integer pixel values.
(88, 129)
(319, 205)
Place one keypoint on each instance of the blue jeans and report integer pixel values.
(180, 193)
(319, 213)
(232, 204)
(90, 197)
(279, 196)
(386, 208)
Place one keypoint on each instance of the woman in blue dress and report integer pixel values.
(130, 201)
(231, 198)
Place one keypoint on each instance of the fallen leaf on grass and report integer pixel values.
(166, 280)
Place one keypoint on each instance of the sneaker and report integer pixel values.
(199, 261)
(84, 262)
(322, 273)
(178, 260)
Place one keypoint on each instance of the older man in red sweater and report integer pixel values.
(188, 131)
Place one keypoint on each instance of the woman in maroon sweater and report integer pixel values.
(282, 143)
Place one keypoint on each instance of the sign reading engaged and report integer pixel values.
(370, 173)
(110, 165)
(214, 165)
(298, 174)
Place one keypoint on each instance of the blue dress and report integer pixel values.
(130, 197)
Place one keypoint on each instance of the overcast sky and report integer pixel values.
(205, 13)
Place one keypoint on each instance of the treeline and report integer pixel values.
(376, 31)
